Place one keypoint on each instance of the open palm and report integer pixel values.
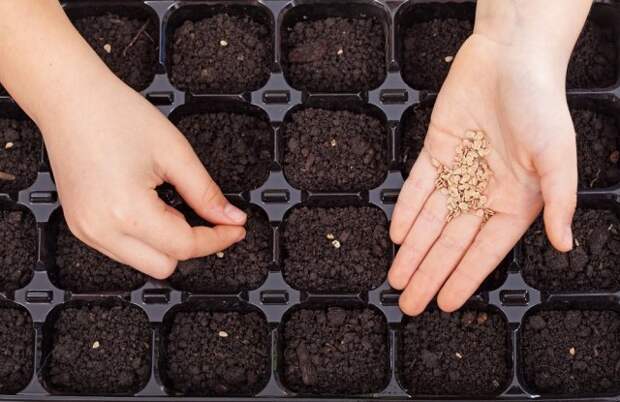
(519, 101)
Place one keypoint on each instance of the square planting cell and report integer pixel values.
(335, 150)
(97, 348)
(332, 49)
(16, 349)
(428, 37)
(243, 266)
(592, 264)
(463, 353)
(18, 248)
(594, 62)
(598, 145)
(236, 148)
(125, 37)
(217, 353)
(335, 350)
(82, 269)
(571, 352)
(20, 153)
(218, 48)
(343, 249)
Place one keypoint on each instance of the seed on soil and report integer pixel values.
(108, 48)
(96, 345)
(340, 51)
(448, 59)
(336, 243)
(219, 254)
(333, 142)
(458, 355)
(330, 236)
(223, 43)
(7, 176)
(572, 351)
(9, 145)
(223, 334)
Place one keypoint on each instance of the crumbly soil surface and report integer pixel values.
(335, 150)
(243, 266)
(20, 152)
(221, 54)
(127, 46)
(335, 54)
(593, 63)
(592, 264)
(99, 349)
(218, 353)
(235, 148)
(414, 128)
(16, 349)
(428, 49)
(18, 249)
(344, 249)
(572, 352)
(598, 148)
(335, 351)
(463, 353)
(81, 269)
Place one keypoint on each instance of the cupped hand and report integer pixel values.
(516, 96)
(109, 152)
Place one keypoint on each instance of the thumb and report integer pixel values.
(182, 168)
(557, 168)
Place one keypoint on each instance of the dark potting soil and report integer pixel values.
(235, 148)
(414, 127)
(221, 54)
(16, 349)
(593, 63)
(80, 268)
(592, 264)
(18, 249)
(218, 353)
(335, 351)
(572, 351)
(243, 266)
(428, 50)
(334, 150)
(3, 91)
(335, 54)
(127, 46)
(598, 148)
(99, 349)
(20, 153)
(463, 353)
(336, 249)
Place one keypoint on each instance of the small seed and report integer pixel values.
(336, 243)
(333, 142)
(340, 51)
(222, 334)
(96, 345)
(330, 236)
(572, 351)
(223, 43)
(9, 145)
(449, 59)
(108, 48)
(219, 254)
(458, 355)
(576, 242)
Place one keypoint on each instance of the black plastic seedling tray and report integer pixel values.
(508, 293)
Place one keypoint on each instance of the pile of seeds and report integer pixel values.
(466, 181)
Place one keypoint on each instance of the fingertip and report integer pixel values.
(235, 215)
(408, 307)
(560, 235)
(394, 280)
(397, 235)
(448, 303)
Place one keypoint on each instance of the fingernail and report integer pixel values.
(568, 237)
(234, 213)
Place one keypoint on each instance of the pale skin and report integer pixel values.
(109, 149)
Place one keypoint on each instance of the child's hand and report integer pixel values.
(513, 90)
(108, 155)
